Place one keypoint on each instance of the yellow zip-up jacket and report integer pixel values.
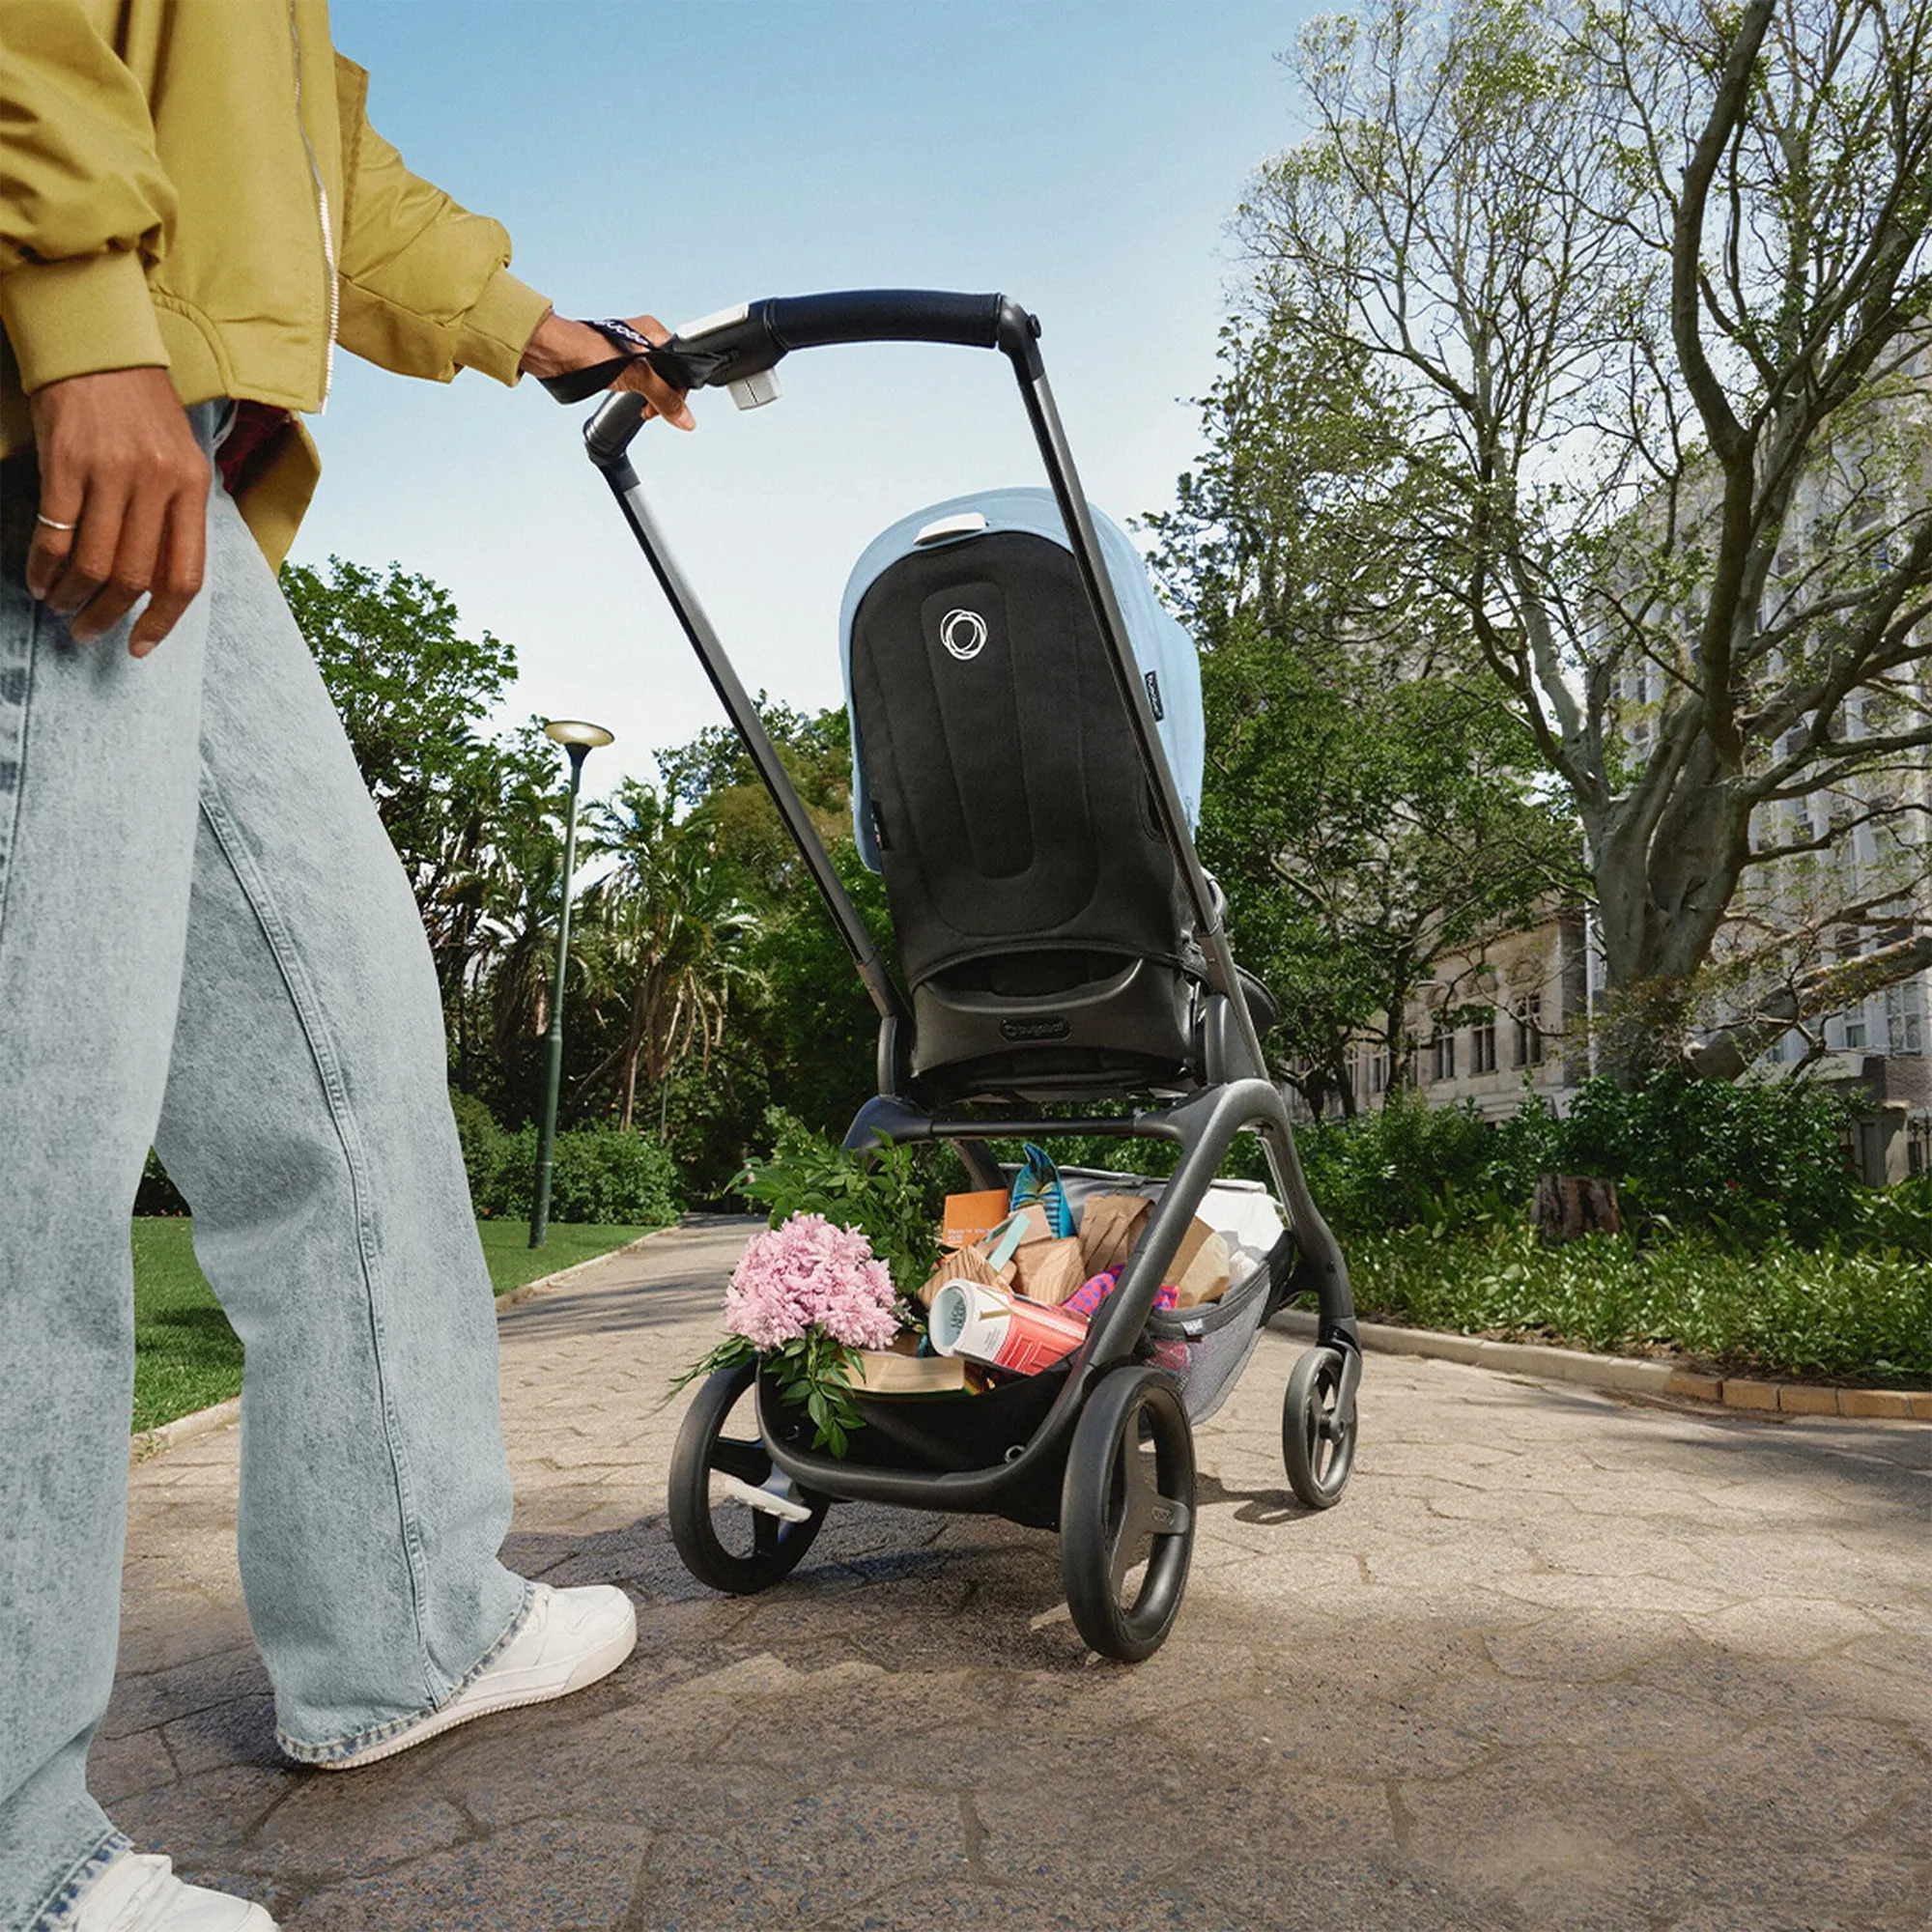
(193, 184)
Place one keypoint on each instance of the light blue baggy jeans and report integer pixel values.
(207, 943)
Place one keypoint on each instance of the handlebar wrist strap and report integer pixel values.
(577, 386)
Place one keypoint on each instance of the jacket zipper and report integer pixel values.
(323, 214)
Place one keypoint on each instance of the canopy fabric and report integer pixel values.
(1159, 644)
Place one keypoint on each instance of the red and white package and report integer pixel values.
(1005, 1331)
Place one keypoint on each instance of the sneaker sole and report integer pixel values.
(598, 1664)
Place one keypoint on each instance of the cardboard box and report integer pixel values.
(970, 1218)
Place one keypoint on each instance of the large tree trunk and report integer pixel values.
(1664, 880)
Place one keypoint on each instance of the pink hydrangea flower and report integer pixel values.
(809, 1271)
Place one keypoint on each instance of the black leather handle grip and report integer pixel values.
(747, 344)
(884, 315)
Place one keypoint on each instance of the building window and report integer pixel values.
(1905, 1019)
(1442, 1055)
(1855, 1030)
(1379, 1071)
(1529, 1031)
(1483, 1045)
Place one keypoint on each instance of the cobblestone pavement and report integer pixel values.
(1556, 1660)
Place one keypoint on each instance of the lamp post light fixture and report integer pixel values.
(578, 740)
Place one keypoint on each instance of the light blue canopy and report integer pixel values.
(1159, 644)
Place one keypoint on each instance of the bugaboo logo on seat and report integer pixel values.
(963, 632)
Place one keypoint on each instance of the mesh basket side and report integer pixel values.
(1206, 1353)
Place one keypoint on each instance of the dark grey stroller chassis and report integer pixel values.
(1089, 965)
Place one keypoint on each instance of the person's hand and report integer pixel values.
(124, 504)
(560, 345)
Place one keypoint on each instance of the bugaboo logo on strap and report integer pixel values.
(963, 632)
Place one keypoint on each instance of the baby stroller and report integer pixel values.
(1026, 753)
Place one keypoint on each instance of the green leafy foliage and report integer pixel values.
(1825, 1312)
(885, 1195)
(815, 1373)
(1750, 1164)
(598, 1173)
(1369, 809)
(1644, 286)
(1752, 1161)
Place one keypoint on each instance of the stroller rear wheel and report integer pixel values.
(1127, 1513)
(738, 1524)
(1318, 1443)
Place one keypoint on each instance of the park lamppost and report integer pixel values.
(578, 740)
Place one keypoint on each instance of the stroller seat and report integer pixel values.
(1040, 918)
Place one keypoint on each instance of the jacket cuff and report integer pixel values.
(80, 317)
(494, 335)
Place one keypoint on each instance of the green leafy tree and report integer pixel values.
(669, 935)
(1371, 812)
(411, 688)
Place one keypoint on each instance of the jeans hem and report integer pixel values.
(57, 1908)
(336, 1749)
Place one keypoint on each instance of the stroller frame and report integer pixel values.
(1235, 1093)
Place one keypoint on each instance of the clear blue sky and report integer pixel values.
(1084, 155)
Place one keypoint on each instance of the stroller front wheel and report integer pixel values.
(1127, 1513)
(1318, 1443)
(736, 1521)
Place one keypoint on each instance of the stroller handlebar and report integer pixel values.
(738, 347)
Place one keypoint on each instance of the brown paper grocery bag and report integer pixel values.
(1049, 1271)
(968, 1264)
(1110, 1225)
(1199, 1270)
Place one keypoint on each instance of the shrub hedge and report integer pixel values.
(598, 1173)
(1751, 1164)
(1828, 1312)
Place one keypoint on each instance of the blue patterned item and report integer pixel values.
(1037, 1183)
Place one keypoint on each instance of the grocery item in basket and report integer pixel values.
(892, 1372)
(1038, 1181)
(1110, 1224)
(971, 1218)
(1005, 1331)
(1090, 1293)
(1049, 1271)
(989, 1263)
(1199, 1270)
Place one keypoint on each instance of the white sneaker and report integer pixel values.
(140, 1893)
(570, 1638)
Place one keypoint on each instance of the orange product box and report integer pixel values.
(971, 1218)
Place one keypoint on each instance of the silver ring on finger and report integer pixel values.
(52, 526)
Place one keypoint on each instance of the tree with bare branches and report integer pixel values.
(1654, 279)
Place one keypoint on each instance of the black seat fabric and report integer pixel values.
(1010, 805)
(1037, 910)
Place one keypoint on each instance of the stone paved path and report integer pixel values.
(1555, 1662)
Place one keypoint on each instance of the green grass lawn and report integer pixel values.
(185, 1354)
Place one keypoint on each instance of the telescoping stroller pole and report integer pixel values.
(1060, 1006)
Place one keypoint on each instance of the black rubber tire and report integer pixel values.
(745, 1564)
(1129, 1484)
(1318, 1450)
